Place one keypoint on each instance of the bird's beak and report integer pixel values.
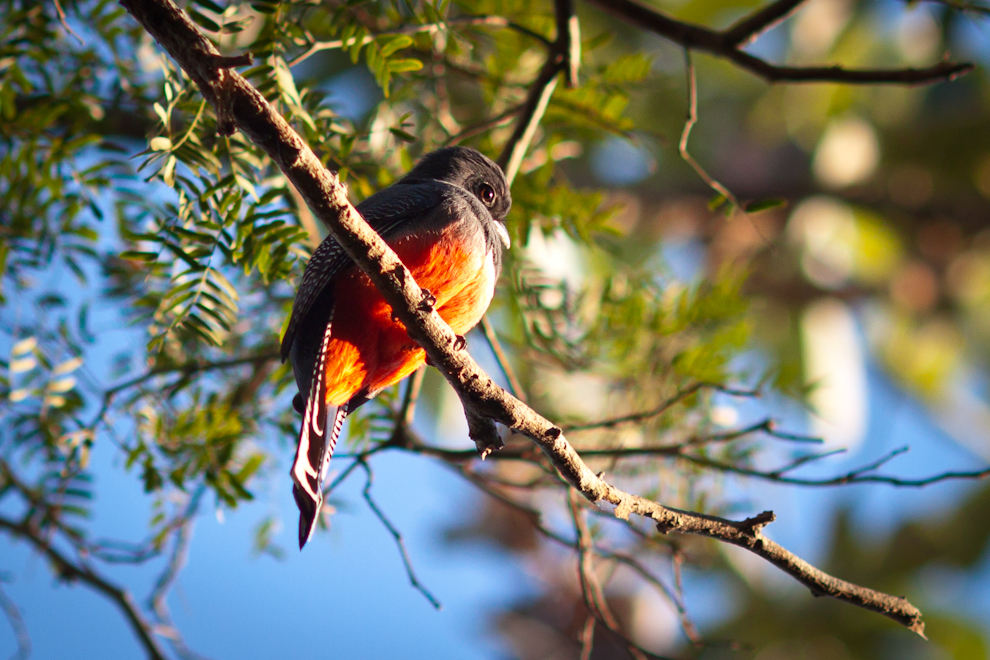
(503, 234)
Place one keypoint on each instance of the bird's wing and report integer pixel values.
(387, 211)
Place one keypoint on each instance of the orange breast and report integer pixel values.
(370, 350)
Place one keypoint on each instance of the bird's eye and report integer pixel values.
(487, 194)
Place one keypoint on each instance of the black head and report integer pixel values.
(471, 170)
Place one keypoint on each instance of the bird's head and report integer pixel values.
(473, 171)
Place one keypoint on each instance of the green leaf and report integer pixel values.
(391, 44)
(764, 204)
(250, 467)
(286, 83)
(402, 66)
(358, 44)
(628, 69)
(134, 255)
(402, 135)
(716, 202)
(202, 20)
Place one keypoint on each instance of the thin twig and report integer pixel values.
(766, 426)
(397, 536)
(594, 597)
(558, 59)
(157, 601)
(588, 636)
(532, 114)
(415, 386)
(591, 588)
(16, 622)
(503, 360)
(119, 552)
(483, 483)
(804, 460)
(692, 119)
(186, 370)
(749, 28)
(65, 24)
(569, 38)
(856, 476)
(686, 624)
(964, 7)
(483, 127)
(661, 408)
(406, 413)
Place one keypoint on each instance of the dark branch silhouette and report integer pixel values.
(727, 45)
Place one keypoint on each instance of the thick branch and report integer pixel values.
(726, 44)
(239, 105)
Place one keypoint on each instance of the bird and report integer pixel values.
(445, 220)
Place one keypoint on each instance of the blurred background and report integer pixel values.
(856, 303)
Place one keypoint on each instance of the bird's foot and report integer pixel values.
(459, 342)
(428, 301)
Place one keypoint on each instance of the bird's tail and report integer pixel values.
(310, 469)
(321, 426)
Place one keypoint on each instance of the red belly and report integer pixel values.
(370, 350)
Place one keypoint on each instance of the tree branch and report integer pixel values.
(397, 537)
(503, 360)
(591, 588)
(69, 571)
(158, 601)
(692, 119)
(964, 7)
(726, 44)
(238, 105)
(749, 28)
(187, 369)
(16, 622)
(662, 408)
(564, 55)
(485, 126)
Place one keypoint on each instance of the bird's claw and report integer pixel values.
(459, 342)
(428, 300)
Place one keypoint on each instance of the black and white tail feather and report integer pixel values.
(320, 429)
